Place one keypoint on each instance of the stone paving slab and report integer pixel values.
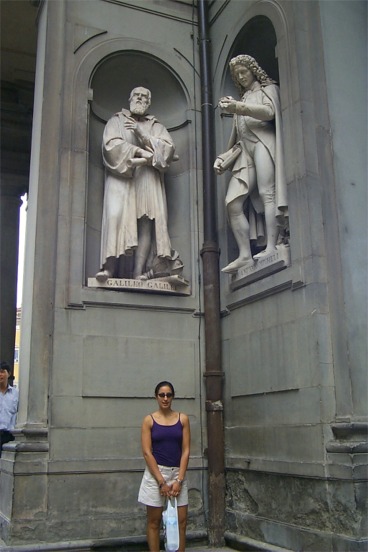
(206, 548)
(50, 548)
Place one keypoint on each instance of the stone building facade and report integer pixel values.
(293, 336)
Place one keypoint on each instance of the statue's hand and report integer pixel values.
(131, 124)
(218, 166)
(145, 155)
(143, 159)
(228, 104)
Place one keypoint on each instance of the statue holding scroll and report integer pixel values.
(256, 196)
(137, 150)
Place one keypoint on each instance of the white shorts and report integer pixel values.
(149, 491)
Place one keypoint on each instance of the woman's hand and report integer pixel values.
(175, 488)
(165, 490)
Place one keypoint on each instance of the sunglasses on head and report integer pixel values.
(163, 395)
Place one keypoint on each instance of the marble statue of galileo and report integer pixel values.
(256, 196)
(137, 150)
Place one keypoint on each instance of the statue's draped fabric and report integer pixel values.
(132, 191)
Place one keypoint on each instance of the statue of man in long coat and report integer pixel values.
(137, 150)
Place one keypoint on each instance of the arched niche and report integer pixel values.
(111, 83)
(258, 39)
(116, 76)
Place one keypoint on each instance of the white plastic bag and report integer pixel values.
(171, 526)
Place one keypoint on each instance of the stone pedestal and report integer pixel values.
(262, 268)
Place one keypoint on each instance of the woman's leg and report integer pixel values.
(182, 517)
(154, 516)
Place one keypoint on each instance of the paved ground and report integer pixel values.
(208, 549)
(48, 548)
(5, 548)
(203, 548)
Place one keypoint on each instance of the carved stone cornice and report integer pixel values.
(350, 437)
(31, 439)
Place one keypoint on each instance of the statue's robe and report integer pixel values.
(131, 191)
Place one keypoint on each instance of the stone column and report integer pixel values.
(24, 463)
(37, 313)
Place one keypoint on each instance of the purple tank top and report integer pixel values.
(167, 443)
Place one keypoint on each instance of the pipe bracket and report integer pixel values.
(214, 406)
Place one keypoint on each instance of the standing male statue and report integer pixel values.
(258, 171)
(137, 150)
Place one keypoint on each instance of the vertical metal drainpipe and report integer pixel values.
(210, 260)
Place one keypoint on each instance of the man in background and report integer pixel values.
(9, 398)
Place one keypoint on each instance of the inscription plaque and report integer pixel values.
(265, 266)
(175, 285)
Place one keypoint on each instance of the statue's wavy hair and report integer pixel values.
(252, 65)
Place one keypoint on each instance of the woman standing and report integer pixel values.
(166, 447)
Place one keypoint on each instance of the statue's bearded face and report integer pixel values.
(139, 101)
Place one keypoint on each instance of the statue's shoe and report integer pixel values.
(103, 276)
(235, 265)
(264, 253)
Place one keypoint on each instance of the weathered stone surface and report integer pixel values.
(294, 341)
(289, 510)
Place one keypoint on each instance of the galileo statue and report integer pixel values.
(137, 150)
(256, 196)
